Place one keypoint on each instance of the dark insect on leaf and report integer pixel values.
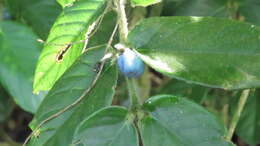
(97, 67)
(62, 52)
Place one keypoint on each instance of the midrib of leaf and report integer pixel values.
(170, 132)
(77, 113)
(66, 30)
(59, 88)
(117, 134)
(158, 116)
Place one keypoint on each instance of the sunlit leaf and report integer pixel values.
(66, 41)
(209, 51)
(144, 3)
(65, 3)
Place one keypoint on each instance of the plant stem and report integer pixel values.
(235, 118)
(233, 6)
(132, 90)
(144, 86)
(84, 94)
(123, 25)
(123, 32)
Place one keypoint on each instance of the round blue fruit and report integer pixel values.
(130, 64)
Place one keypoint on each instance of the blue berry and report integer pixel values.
(130, 64)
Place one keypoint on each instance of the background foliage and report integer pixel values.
(39, 79)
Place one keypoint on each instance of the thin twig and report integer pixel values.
(235, 118)
(90, 32)
(123, 24)
(83, 94)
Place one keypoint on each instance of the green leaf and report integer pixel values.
(18, 56)
(144, 3)
(177, 121)
(108, 127)
(39, 14)
(209, 51)
(70, 86)
(104, 30)
(196, 8)
(248, 127)
(65, 41)
(95, 100)
(250, 10)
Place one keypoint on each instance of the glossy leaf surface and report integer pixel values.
(209, 51)
(179, 122)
